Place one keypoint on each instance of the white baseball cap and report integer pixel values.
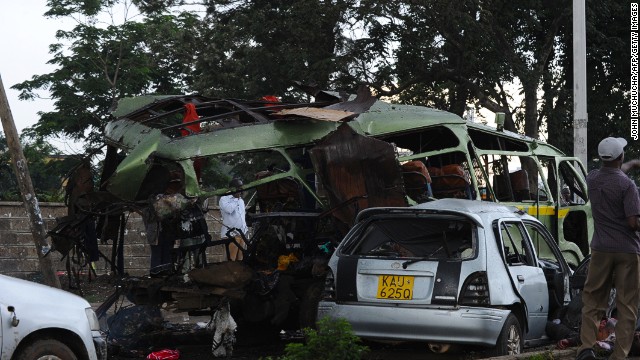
(610, 148)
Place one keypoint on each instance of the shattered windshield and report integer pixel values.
(428, 238)
(217, 170)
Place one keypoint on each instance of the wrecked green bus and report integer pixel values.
(309, 168)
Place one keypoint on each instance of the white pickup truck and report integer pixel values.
(41, 322)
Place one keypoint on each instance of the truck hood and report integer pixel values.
(17, 291)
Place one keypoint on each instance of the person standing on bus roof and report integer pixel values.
(615, 251)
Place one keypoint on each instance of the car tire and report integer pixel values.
(510, 341)
(49, 349)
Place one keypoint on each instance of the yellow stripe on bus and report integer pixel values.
(545, 211)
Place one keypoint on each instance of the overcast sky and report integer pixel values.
(25, 36)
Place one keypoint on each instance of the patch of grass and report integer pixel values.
(548, 355)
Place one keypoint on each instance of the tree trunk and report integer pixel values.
(530, 129)
(26, 189)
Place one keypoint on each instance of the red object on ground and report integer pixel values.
(165, 354)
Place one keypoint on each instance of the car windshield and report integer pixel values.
(428, 238)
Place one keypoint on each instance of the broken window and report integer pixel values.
(513, 178)
(540, 242)
(270, 175)
(575, 192)
(424, 140)
(450, 175)
(569, 184)
(217, 170)
(425, 238)
(514, 243)
(490, 141)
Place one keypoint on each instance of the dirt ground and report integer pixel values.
(184, 333)
(187, 335)
(95, 289)
(193, 342)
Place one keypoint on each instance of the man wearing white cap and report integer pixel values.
(615, 249)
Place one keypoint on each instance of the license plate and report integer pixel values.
(395, 287)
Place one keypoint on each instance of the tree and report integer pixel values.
(608, 83)
(608, 101)
(435, 53)
(237, 49)
(8, 185)
(48, 168)
(28, 196)
(451, 54)
(259, 48)
(103, 64)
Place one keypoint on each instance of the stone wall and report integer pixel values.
(18, 255)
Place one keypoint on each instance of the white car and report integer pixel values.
(448, 272)
(42, 322)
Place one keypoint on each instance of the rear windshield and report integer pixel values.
(428, 238)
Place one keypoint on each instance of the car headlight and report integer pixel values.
(92, 318)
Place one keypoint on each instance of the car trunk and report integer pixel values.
(386, 281)
(406, 260)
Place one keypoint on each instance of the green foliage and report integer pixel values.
(8, 185)
(608, 62)
(103, 64)
(259, 48)
(333, 337)
(47, 168)
(215, 174)
(70, 7)
(608, 54)
(449, 56)
(436, 53)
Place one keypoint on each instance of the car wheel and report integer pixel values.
(47, 349)
(510, 341)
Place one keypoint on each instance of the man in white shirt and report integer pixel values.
(233, 217)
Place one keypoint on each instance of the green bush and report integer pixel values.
(333, 337)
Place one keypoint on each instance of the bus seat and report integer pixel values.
(416, 180)
(520, 185)
(278, 195)
(450, 181)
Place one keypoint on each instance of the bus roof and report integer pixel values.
(269, 131)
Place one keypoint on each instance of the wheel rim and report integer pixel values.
(513, 341)
(49, 357)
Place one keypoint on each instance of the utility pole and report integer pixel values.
(26, 189)
(580, 115)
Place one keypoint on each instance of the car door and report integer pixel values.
(574, 221)
(1, 326)
(553, 264)
(527, 277)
